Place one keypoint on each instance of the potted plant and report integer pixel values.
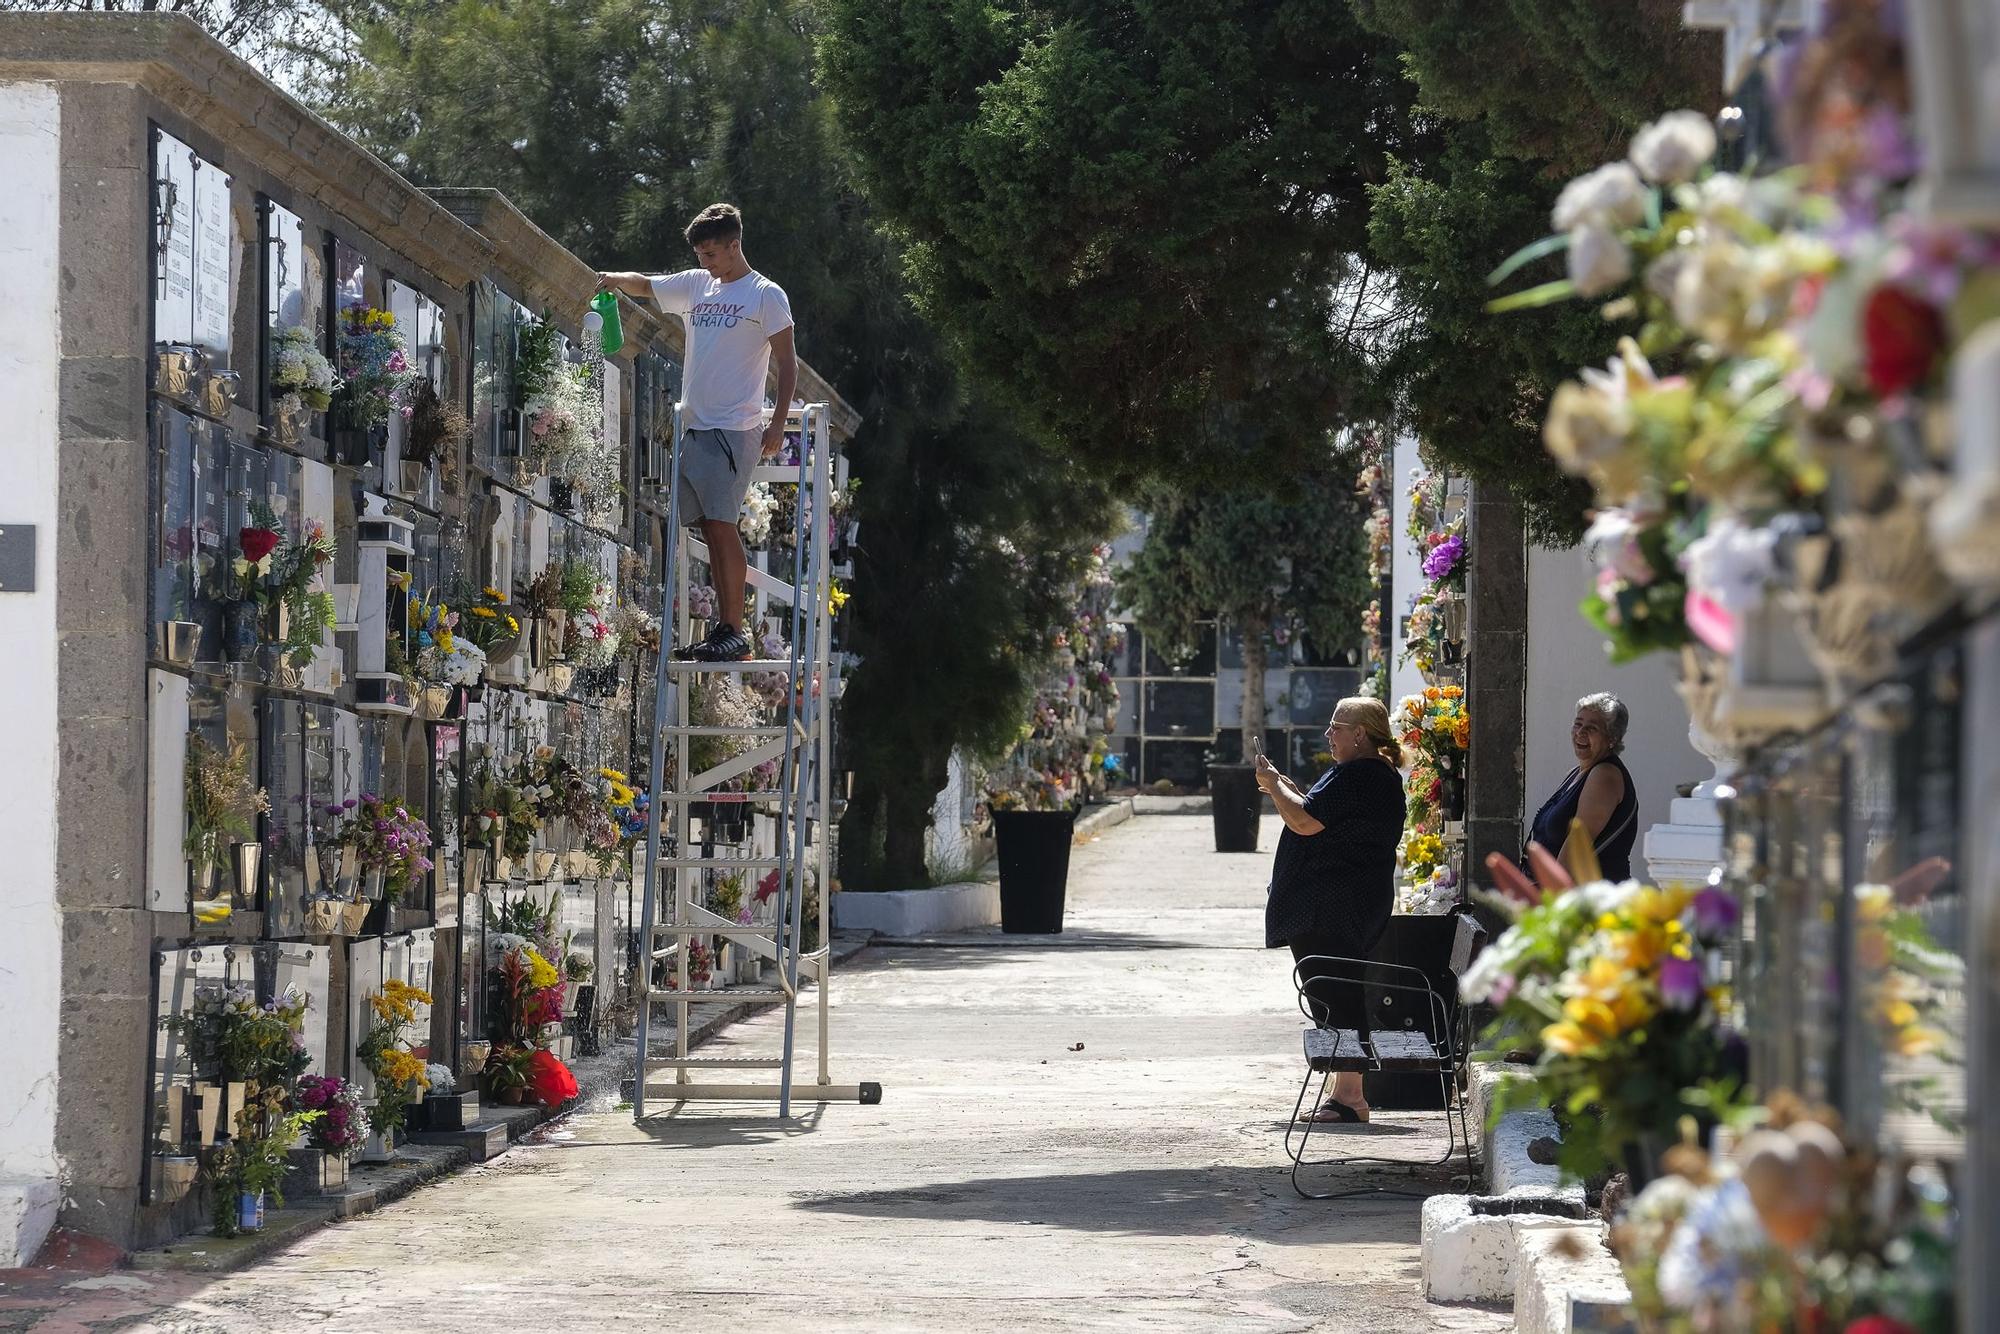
(507, 1074)
(249, 1172)
(376, 379)
(436, 429)
(445, 1105)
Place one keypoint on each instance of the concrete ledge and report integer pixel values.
(482, 1139)
(1470, 1257)
(918, 912)
(1097, 819)
(1565, 1281)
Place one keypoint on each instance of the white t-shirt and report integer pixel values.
(729, 329)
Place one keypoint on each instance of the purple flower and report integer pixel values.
(1680, 983)
(1443, 557)
(1715, 913)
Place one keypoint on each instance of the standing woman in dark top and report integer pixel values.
(1333, 883)
(1599, 791)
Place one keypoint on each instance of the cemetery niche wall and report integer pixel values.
(350, 649)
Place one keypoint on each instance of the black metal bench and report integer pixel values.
(1440, 1048)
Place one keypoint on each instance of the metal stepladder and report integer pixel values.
(800, 743)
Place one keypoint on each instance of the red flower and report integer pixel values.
(257, 543)
(1878, 1324)
(1901, 338)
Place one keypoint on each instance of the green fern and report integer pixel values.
(312, 618)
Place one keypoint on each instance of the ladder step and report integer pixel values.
(715, 1063)
(696, 929)
(721, 863)
(723, 798)
(747, 665)
(722, 731)
(725, 996)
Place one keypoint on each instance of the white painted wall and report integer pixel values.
(31, 945)
(1566, 661)
(1408, 573)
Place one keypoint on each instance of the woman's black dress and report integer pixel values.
(1332, 892)
(1613, 842)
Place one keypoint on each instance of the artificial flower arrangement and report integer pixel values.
(387, 839)
(489, 622)
(342, 1126)
(759, 506)
(1799, 321)
(222, 805)
(444, 656)
(376, 375)
(310, 612)
(593, 630)
(1440, 546)
(501, 814)
(718, 701)
(1435, 725)
(558, 422)
(301, 376)
(1619, 987)
(1801, 1229)
(384, 1049)
(528, 987)
(232, 1038)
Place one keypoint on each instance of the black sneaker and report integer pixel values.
(725, 643)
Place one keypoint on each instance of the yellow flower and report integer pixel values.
(613, 775)
(494, 594)
(541, 973)
(484, 613)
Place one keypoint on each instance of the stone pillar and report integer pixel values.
(103, 623)
(1496, 676)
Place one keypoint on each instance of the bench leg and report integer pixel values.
(1296, 1127)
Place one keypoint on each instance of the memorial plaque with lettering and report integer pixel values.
(173, 241)
(214, 253)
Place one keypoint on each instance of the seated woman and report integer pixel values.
(1333, 882)
(1599, 791)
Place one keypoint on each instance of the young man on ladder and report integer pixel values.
(737, 322)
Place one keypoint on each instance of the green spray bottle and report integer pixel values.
(606, 306)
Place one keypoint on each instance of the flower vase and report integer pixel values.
(474, 1058)
(538, 644)
(179, 642)
(347, 883)
(1452, 798)
(250, 1211)
(240, 630)
(249, 860)
(411, 475)
(475, 869)
(558, 620)
(436, 700)
(371, 884)
(173, 1175)
(379, 1148)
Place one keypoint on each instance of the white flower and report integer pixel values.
(1598, 260)
(439, 1078)
(1603, 896)
(1732, 564)
(1611, 196)
(1613, 542)
(1674, 147)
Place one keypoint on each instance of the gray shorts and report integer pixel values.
(715, 473)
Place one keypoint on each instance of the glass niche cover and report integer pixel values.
(193, 239)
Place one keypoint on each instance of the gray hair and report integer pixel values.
(1612, 710)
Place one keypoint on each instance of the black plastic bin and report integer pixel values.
(1033, 848)
(1238, 804)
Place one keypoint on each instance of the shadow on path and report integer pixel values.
(1166, 1201)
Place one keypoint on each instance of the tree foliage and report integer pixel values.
(1558, 83)
(1528, 93)
(610, 122)
(1256, 558)
(1137, 220)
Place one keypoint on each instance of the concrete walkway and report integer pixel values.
(1080, 1132)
